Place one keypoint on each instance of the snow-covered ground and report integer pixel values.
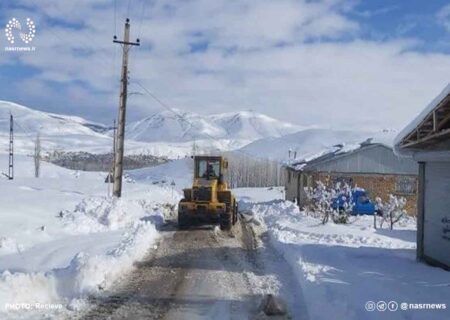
(344, 268)
(63, 238)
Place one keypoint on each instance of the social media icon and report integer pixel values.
(392, 306)
(404, 306)
(381, 306)
(370, 306)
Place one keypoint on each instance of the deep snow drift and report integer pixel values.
(342, 268)
(62, 238)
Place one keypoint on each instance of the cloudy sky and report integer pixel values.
(333, 63)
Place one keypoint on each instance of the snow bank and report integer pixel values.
(97, 214)
(85, 275)
(342, 267)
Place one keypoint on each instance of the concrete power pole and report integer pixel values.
(120, 141)
(11, 148)
(114, 146)
(37, 156)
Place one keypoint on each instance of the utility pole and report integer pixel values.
(114, 145)
(11, 148)
(118, 159)
(37, 156)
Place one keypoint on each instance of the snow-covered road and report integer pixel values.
(202, 273)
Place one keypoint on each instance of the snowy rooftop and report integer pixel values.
(431, 126)
(329, 153)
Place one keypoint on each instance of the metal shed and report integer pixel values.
(427, 141)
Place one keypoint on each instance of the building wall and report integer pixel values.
(291, 184)
(378, 185)
(434, 225)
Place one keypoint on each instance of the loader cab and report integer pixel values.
(209, 168)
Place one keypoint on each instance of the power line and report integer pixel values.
(183, 118)
(144, 2)
(115, 16)
(86, 44)
(180, 116)
(27, 132)
(128, 9)
(103, 56)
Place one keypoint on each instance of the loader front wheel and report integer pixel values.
(225, 220)
(183, 221)
(235, 212)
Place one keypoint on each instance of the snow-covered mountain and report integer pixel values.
(252, 125)
(181, 126)
(162, 134)
(311, 141)
(172, 127)
(57, 132)
(46, 123)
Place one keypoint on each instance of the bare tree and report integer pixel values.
(392, 210)
(37, 156)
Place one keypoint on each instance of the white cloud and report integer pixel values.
(257, 58)
(443, 17)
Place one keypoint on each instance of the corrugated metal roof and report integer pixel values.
(367, 158)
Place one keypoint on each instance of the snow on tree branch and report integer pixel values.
(391, 211)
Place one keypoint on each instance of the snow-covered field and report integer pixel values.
(341, 268)
(63, 238)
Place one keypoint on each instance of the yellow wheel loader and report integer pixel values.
(209, 201)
